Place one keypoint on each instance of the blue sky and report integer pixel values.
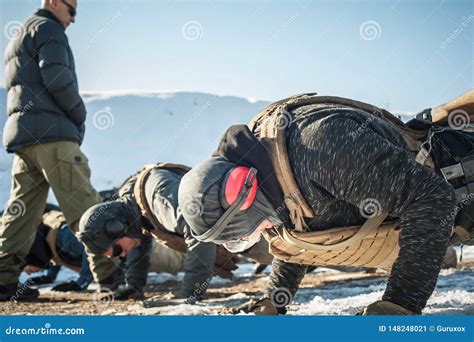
(405, 55)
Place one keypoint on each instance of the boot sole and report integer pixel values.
(6, 298)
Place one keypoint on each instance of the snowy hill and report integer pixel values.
(5, 160)
(126, 131)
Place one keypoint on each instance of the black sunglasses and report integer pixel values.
(72, 10)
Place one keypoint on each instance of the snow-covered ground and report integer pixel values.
(454, 294)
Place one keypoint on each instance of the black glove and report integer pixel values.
(260, 307)
(113, 281)
(68, 287)
(129, 292)
(259, 268)
(41, 280)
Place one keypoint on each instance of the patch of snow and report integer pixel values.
(454, 295)
(349, 305)
(216, 280)
(159, 278)
(238, 295)
(467, 252)
(245, 270)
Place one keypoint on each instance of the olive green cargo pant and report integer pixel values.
(63, 167)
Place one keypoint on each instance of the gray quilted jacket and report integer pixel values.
(43, 101)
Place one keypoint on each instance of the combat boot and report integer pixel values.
(17, 292)
(385, 308)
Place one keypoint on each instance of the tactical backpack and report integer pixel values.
(160, 233)
(375, 243)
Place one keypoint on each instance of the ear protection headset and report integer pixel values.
(237, 193)
(115, 229)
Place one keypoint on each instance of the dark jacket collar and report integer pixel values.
(47, 14)
(240, 146)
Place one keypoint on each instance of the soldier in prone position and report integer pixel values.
(317, 176)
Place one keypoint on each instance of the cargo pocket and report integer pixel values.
(73, 167)
(24, 178)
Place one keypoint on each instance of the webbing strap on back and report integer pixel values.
(51, 238)
(165, 237)
(275, 142)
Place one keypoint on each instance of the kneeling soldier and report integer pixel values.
(147, 204)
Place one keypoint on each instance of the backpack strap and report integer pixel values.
(162, 235)
(275, 142)
(463, 103)
(54, 220)
(51, 239)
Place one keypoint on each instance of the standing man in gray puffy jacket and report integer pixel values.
(44, 129)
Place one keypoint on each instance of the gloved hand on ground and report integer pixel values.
(129, 291)
(71, 286)
(259, 307)
(385, 308)
(40, 280)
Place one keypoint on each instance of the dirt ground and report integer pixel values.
(159, 298)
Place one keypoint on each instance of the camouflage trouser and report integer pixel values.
(63, 167)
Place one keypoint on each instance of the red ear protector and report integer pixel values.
(233, 185)
(238, 191)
